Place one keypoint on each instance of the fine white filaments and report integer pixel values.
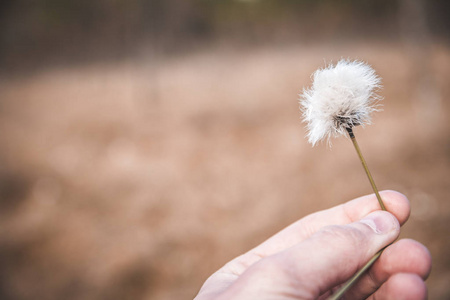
(341, 97)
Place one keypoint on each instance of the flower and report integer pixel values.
(341, 97)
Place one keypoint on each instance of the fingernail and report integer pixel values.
(381, 222)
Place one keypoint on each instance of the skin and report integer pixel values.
(314, 256)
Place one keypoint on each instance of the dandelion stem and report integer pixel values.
(363, 161)
(355, 277)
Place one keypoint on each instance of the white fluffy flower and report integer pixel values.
(341, 97)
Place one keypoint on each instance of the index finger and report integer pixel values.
(395, 202)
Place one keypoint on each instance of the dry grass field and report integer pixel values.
(137, 179)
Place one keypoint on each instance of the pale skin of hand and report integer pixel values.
(315, 255)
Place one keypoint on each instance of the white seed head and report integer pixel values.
(341, 97)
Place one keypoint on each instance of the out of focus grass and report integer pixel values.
(124, 181)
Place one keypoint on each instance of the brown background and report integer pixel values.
(145, 144)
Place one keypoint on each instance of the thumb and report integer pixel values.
(332, 255)
(324, 260)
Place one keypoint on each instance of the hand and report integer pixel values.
(317, 254)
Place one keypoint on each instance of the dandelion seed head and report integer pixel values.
(342, 96)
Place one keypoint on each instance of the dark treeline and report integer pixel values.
(31, 30)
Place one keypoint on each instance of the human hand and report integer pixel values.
(317, 254)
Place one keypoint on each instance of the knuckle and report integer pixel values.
(344, 235)
(271, 266)
(268, 265)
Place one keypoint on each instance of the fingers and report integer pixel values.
(349, 212)
(407, 256)
(404, 256)
(322, 261)
(402, 286)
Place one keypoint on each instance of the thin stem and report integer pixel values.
(366, 168)
(355, 277)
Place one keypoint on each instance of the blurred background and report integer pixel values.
(143, 144)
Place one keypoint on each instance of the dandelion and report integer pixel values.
(342, 97)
